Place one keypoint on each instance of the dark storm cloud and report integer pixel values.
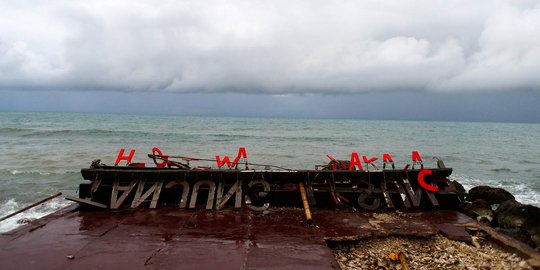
(275, 47)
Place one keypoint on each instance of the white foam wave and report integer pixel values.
(12, 205)
(15, 172)
(18, 172)
(522, 192)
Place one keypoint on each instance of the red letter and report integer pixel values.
(355, 160)
(369, 161)
(159, 154)
(423, 183)
(387, 159)
(334, 166)
(241, 154)
(336, 163)
(122, 157)
(225, 160)
(417, 159)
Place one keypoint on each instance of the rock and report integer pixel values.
(534, 263)
(480, 210)
(528, 216)
(461, 191)
(522, 219)
(509, 215)
(25, 220)
(490, 194)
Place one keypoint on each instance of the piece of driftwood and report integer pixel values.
(31, 206)
(507, 241)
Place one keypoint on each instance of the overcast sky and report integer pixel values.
(428, 60)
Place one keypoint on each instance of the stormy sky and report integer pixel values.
(424, 60)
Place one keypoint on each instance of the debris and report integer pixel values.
(436, 252)
(475, 242)
(403, 261)
(25, 220)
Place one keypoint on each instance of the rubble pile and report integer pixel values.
(435, 252)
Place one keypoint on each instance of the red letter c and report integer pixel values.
(423, 183)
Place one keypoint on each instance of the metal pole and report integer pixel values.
(302, 188)
(30, 206)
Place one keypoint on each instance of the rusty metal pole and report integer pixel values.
(307, 211)
(32, 205)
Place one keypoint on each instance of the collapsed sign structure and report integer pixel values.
(338, 184)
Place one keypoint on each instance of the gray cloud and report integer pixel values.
(274, 47)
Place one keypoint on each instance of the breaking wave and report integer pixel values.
(523, 193)
(11, 205)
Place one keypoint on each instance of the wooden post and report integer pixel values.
(309, 219)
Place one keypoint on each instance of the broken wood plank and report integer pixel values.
(507, 241)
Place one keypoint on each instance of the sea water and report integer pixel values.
(42, 153)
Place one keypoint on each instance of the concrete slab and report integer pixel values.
(172, 238)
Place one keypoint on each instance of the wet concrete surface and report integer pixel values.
(172, 238)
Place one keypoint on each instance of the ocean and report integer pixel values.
(42, 153)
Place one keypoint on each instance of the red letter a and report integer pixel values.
(355, 160)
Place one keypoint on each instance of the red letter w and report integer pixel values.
(226, 160)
